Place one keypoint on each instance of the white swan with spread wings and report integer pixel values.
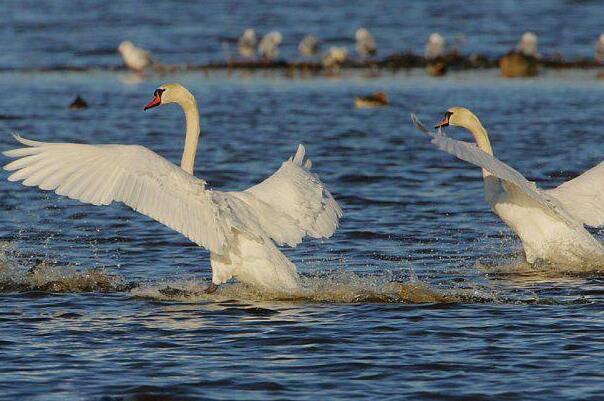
(239, 229)
(550, 223)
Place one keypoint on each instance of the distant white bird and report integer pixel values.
(435, 47)
(550, 223)
(269, 45)
(528, 44)
(134, 57)
(365, 43)
(247, 43)
(335, 57)
(600, 48)
(309, 46)
(238, 228)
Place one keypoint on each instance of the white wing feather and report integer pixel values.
(583, 196)
(287, 206)
(472, 154)
(135, 175)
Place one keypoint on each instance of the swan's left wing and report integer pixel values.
(138, 177)
(293, 203)
(583, 196)
(472, 154)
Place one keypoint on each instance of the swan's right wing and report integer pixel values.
(583, 196)
(472, 154)
(293, 203)
(135, 175)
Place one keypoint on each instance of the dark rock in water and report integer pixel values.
(404, 60)
(516, 64)
(78, 103)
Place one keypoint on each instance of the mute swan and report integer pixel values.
(134, 57)
(377, 99)
(309, 46)
(269, 45)
(550, 223)
(247, 43)
(238, 228)
(435, 47)
(365, 43)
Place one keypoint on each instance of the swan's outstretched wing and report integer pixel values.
(293, 203)
(135, 175)
(583, 196)
(472, 154)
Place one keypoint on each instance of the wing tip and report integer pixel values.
(418, 124)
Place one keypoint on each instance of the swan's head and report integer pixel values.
(170, 93)
(457, 117)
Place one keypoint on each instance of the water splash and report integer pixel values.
(333, 287)
(44, 276)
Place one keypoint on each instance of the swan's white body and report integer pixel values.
(238, 228)
(365, 43)
(134, 57)
(550, 223)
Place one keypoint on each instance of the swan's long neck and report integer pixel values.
(482, 139)
(189, 106)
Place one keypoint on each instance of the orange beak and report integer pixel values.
(153, 103)
(444, 121)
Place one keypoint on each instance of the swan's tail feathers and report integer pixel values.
(294, 203)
